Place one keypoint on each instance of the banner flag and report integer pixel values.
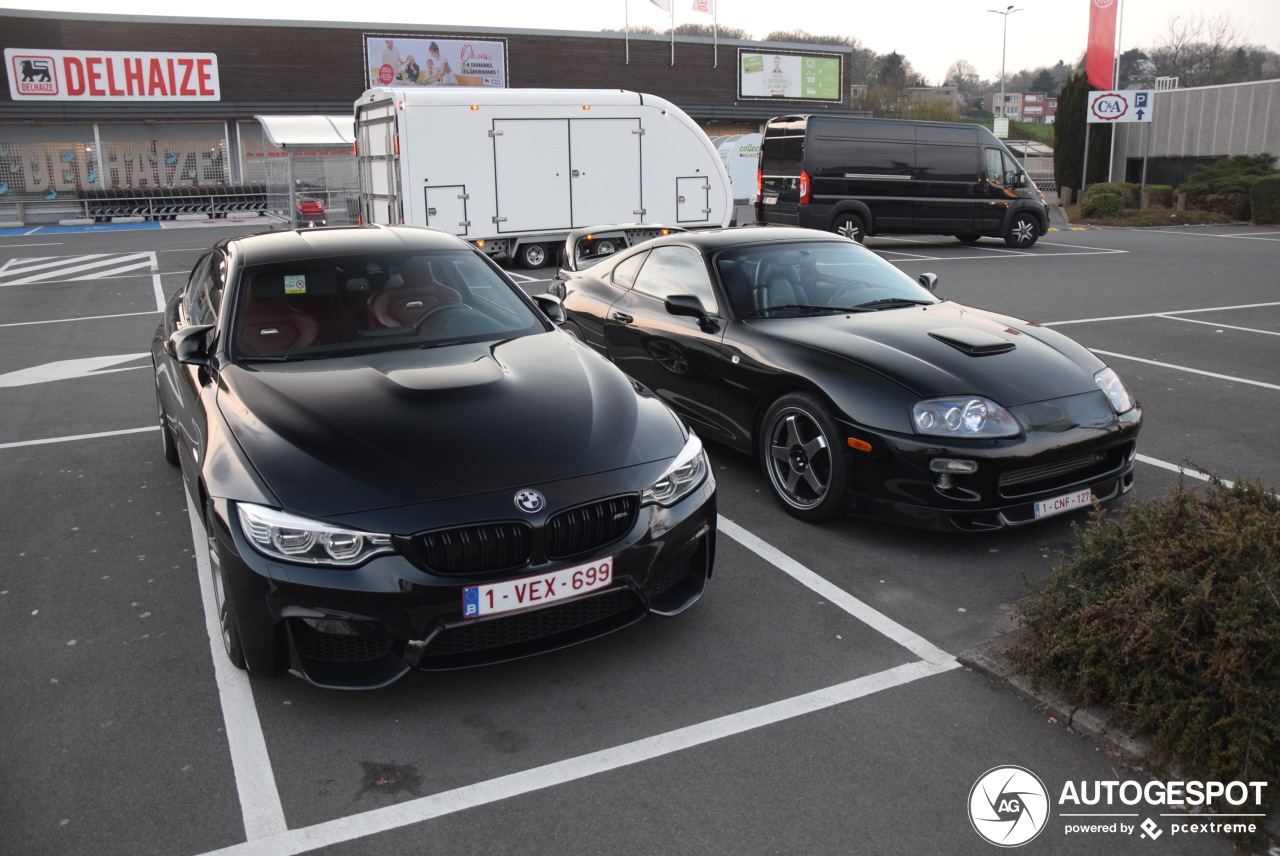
(1100, 56)
(706, 6)
(664, 5)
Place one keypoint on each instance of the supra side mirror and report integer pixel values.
(691, 307)
(551, 307)
(929, 281)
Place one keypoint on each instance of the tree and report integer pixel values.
(1137, 71)
(1069, 130)
(711, 32)
(1043, 82)
(1197, 50)
(963, 76)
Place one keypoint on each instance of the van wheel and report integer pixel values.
(968, 239)
(803, 458)
(1022, 231)
(849, 226)
(531, 255)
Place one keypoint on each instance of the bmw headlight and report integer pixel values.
(297, 539)
(963, 416)
(684, 474)
(1109, 382)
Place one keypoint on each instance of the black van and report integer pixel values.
(858, 177)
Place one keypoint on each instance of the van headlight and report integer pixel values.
(963, 416)
(680, 478)
(297, 539)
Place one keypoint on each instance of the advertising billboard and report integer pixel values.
(392, 60)
(789, 76)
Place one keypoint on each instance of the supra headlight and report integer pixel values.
(963, 416)
(297, 539)
(1111, 385)
(684, 474)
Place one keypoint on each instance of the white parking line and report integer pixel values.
(1232, 378)
(75, 437)
(1249, 236)
(1222, 326)
(1159, 314)
(81, 318)
(1078, 250)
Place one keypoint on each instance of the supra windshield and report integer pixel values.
(774, 280)
(341, 305)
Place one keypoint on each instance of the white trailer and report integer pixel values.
(514, 170)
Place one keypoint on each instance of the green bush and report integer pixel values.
(1103, 200)
(1264, 198)
(1159, 196)
(1170, 612)
(1224, 186)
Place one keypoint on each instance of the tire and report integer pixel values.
(168, 445)
(226, 615)
(849, 226)
(803, 458)
(1022, 231)
(968, 239)
(531, 255)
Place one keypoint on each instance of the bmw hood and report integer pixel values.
(337, 436)
(950, 349)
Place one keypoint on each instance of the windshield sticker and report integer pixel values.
(295, 283)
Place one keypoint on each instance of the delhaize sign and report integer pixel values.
(41, 75)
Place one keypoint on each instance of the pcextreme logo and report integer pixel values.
(1009, 806)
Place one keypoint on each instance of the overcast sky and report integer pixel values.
(932, 34)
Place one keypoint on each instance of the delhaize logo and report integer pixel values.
(34, 74)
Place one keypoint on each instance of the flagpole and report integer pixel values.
(673, 33)
(1115, 84)
(626, 18)
(715, 34)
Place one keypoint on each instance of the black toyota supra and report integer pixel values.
(858, 389)
(402, 463)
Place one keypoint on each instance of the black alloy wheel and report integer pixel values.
(803, 458)
(849, 226)
(1022, 231)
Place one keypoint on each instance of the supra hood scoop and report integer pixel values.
(972, 341)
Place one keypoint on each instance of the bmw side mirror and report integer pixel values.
(691, 307)
(929, 281)
(551, 307)
(190, 345)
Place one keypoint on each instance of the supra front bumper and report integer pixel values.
(895, 481)
(365, 627)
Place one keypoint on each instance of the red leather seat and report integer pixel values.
(402, 306)
(273, 327)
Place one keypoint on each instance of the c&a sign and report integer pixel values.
(47, 75)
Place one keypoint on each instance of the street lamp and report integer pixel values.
(1004, 41)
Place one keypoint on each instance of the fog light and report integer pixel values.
(953, 466)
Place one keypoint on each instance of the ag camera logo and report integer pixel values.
(1008, 806)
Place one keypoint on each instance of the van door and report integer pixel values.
(876, 172)
(447, 208)
(948, 191)
(604, 164)
(781, 152)
(531, 168)
(999, 174)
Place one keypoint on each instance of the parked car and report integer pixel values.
(859, 176)
(401, 463)
(858, 388)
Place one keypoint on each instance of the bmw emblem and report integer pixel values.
(530, 501)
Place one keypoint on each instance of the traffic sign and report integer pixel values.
(1121, 105)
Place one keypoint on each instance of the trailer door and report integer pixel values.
(531, 167)
(447, 208)
(693, 199)
(378, 163)
(605, 171)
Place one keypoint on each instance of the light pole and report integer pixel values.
(1004, 41)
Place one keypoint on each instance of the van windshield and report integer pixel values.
(785, 279)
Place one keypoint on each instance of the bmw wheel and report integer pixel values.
(1022, 231)
(803, 458)
(226, 616)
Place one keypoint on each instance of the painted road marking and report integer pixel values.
(70, 369)
(1159, 314)
(74, 268)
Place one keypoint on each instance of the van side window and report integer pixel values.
(676, 270)
(854, 158)
(946, 163)
(781, 155)
(1000, 168)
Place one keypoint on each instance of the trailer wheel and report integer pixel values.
(531, 255)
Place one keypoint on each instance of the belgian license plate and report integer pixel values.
(539, 590)
(770, 200)
(1059, 504)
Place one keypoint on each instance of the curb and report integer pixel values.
(1104, 726)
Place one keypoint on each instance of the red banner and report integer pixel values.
(1100, 56)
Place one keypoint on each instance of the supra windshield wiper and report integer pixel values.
(804, 307)
(891, 302)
